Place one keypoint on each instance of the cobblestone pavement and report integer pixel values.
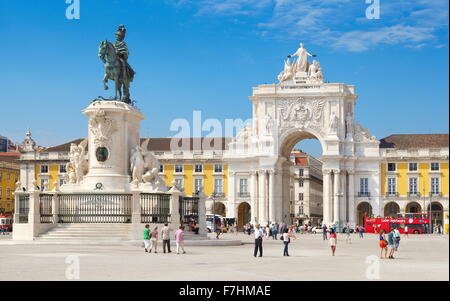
(420, 257)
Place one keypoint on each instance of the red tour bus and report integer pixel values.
(418, 223)
(6, 223)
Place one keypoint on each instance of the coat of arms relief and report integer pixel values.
(102, 127)
(301, 114)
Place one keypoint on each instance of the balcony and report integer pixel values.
(391, 194)
(363, 194)
(435, 194)
(414, 194)
(218, 194)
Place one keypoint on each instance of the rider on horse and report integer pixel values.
(126, 73)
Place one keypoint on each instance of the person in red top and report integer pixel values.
(333, 240)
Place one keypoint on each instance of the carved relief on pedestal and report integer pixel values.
(301, 114)
(101, 128)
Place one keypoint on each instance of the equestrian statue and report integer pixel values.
(117, 69)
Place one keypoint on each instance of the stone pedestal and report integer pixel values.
(113, 131)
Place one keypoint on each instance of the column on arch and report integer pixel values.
(351, 197)
(327, 197)
(336, 195)
(262, 197)
(272, 199)
(254, 196)
(343, 199)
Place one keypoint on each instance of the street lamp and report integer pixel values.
(213, 197)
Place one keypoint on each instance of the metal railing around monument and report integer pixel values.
(24, 207)
(94, 208)
(188, 208)
(155, 208)
(45, 208)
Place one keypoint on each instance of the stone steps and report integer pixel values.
(88, 232)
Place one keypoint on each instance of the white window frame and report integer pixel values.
(415, 185)
(435, 185)
(195, 168)
(218, 180)
(65, 168)
(221, 168)
(177, 185)
(389, 186)
(364, 186)
(243, 186)
(387, 167)
(175, 168)
(196, 186)
(48, 169)
(409, 166)
(438, 166)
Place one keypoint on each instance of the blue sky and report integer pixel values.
(207, 55)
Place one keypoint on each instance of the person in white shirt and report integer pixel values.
(259, 233)
(396, 239)
(406, 231)
(165, 235)
(286, 241)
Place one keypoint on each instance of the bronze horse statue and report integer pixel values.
(115, 70)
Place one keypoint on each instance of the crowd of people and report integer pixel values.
(151, 239)
(388, 242)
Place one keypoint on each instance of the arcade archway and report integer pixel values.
(363, 209)
(413, 207)
(244, 214)
(391, 209)
(220, 209)
(437, 214)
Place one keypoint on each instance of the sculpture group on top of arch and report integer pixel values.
(301, 69)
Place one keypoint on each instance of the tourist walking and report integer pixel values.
(165, 235)
(274, 232)
(333, 240)
(391, 243)
(325, 232)
(361, 231)
(259, 233)
(154, 240)
(146, 237)
(348, 238)
(383, 244)
(396, 239)
(179, 239)
(286, 241)
(406, 231)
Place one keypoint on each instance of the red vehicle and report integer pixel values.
(418, 223)
(6, 223)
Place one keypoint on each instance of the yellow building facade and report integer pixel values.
(415, 177)
(9, 175)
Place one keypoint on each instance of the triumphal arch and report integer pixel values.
(302, 105)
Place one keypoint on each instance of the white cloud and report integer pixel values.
(338, 23)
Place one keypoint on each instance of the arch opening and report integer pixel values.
(413, 207)
(243, 214)
(302, 188)
(437, 216)
(364, 209)
(391, 209)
